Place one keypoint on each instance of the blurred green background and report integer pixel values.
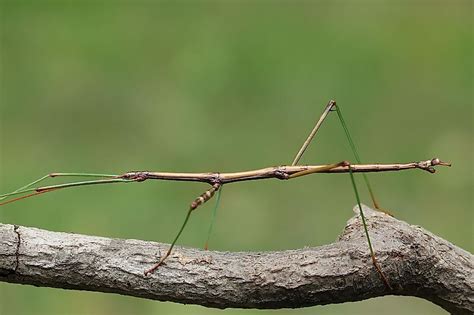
(225, 86)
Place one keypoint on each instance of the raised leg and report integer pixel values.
(331, 106)
(356, 155)
(327, 110)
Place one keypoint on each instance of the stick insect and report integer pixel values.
(218, 180)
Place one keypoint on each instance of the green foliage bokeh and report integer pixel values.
(110, 87)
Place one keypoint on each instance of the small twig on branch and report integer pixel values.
(417, 262)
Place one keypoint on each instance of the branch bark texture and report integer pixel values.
(416, 262)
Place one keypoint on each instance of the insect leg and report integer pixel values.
(331, 106)
(196, 203)
(213, 218)
(21, 189)
(327, 110)
(356, 155)
(364, 223)
(39, 190)
(319, 169)
(369, 188)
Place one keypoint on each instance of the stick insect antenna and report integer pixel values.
(194, 205)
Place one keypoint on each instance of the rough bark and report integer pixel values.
(416, 262)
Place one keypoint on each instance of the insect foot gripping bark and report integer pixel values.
(207, 195)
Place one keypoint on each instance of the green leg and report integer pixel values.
(356, 155)
(369, 187)
(364, 223)
(213, 217)
(162, 259)
(33, 191)
(331, 106)
(22, 189)
(197, 202)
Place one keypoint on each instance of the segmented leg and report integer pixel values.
(26, 196)
(213, 218)
(331, 106)
(364, 223)
(356, 155)
(318, 170)
(194, 205)
(305, 145)
(33, 191)
(24, 188)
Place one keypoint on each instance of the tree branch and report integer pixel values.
(416, 262)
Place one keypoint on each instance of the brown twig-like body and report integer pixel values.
(281, 172)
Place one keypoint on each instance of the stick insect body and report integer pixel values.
(218, 180)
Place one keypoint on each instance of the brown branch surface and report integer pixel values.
(417, 263)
